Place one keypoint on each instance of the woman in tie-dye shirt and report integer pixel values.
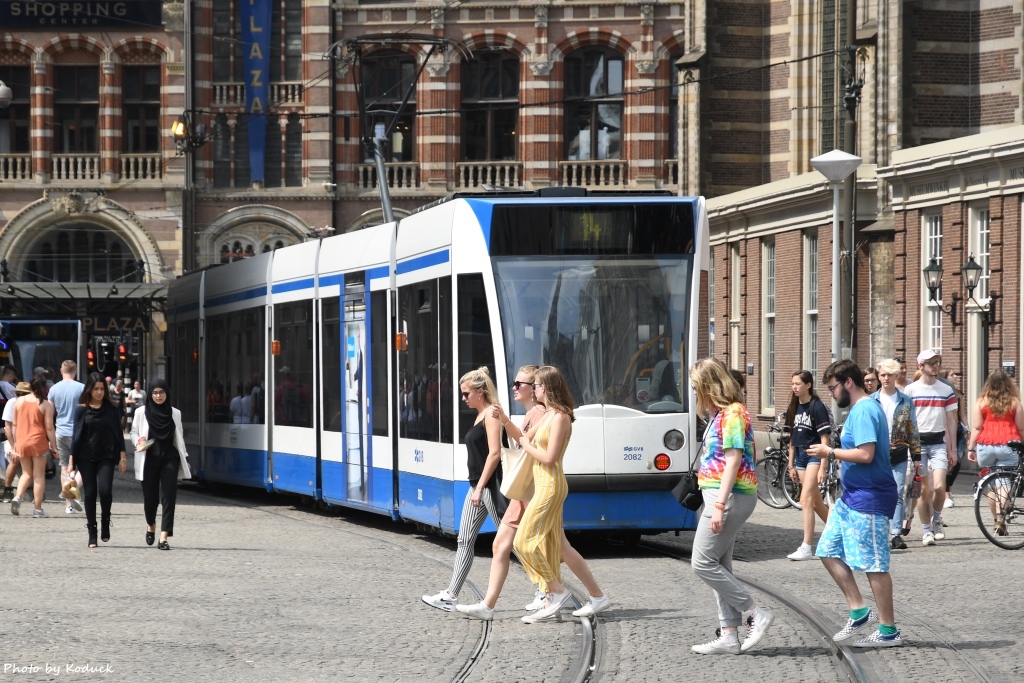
(729, 483)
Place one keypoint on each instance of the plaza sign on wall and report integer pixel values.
(113, 13)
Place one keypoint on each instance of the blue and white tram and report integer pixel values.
(304, 371)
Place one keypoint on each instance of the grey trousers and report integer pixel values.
(712, 555)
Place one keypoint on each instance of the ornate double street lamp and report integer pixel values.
(971, 274)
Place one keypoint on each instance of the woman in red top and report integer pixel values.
(34, 440)
(997, 418)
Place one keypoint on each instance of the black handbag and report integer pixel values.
(687, 492)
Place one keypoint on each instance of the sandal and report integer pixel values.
(150, 537)
(163, 545)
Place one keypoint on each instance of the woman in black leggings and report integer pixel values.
(163, 463)
(97, 446)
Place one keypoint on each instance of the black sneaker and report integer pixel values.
(8, 494)
(898, 543)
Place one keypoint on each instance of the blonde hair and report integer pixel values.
(480, 380)
(714, 386)
(529, 370)
(889, 366)
(999, 393)
(557, 395)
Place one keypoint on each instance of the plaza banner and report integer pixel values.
(256, 38)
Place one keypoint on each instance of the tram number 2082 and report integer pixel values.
(633, 453)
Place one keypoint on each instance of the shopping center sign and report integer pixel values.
(126, 13)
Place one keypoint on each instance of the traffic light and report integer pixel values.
(90, 357)
(122, 353)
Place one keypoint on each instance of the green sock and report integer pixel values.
(856, 614)
(887, 630)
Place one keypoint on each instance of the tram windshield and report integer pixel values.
(616, 326)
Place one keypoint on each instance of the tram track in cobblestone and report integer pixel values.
(587, 660)
(851, 668)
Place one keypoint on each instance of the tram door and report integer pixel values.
(355, 410)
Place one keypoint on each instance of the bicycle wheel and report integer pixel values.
(833, 488)
(999, 509)
(770, 470)
(792, 490)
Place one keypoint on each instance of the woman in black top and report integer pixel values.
(97, 445)
(483, 443)
(809, 420)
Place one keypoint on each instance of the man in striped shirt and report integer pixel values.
(935, 403)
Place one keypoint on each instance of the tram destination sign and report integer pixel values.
(112, 13)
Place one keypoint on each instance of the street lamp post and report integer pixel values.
(970, 274)
(835, 166)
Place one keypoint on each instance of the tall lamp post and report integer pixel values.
(836, 166)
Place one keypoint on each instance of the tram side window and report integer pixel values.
(293, 380)
(476, 347)
(419, 381)
(185, 369)
(235, 351)
(379, 350)
(331, 365)
(446, 353)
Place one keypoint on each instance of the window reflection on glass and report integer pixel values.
(614, 326)
(594, 127)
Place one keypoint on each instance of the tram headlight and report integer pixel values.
(662, 462)
(674, 440)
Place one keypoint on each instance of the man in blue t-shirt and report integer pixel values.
(856, 536)
(64, 395)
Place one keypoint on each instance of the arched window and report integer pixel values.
(15, 120)
(278, 244)
(236, 250)
(490, 92)
(141, 109)
(76, 109)
(387, 75)
(78, 253)
(593, 127)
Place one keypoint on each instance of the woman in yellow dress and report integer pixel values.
(539, 539)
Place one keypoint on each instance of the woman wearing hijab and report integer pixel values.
(163, 462)
(97, 444)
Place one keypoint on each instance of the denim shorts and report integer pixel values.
(996, 456)
(802, 459)
(933, 457)
(858, 539)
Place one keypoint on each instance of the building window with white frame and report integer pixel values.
(980, 247)
(811, 302)
(735, 268)
(711, 304)
(768, 328)
(933, 307)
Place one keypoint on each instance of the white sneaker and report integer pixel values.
(593, 606)
(77, 505)
(538, 602)
(723, 645)
(15, 506)
(442, 601)
(928, 539)
(38, 514)
(478, 610)
(555, 603)
(761, 619)
(804, 552)
(938, 530)
(949, 501)
(70, 510)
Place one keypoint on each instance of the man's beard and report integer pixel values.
(844, 399)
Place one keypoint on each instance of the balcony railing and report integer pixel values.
(141, 167)
(76, 166)
(401, 176)
(496, 173)
(233, 94)
(15, 167)
(593, 173)
(671, 173)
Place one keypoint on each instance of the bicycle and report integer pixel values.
(831, 486)
(1001, 493)
(773, 481)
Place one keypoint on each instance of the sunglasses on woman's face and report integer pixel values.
(465, 394)
(517, 385)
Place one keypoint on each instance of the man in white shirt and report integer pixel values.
(935, 403)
